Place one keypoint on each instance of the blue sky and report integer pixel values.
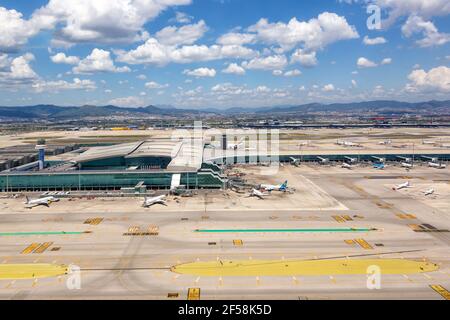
(222, 53)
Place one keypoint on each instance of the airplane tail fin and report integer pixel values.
(284, 185)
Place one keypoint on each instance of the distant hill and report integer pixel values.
(57, 112)
(37, 112)
(380, 106)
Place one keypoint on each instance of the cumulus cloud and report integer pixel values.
(386, 61)
(306, 59)
(435, 80)
(292, 73)
(130, 101)
(181, 17)
(154, 52)
(234, 68)
(155, 85)
(234, 38)
(431, 35)
(365, 63)
(62, 58)
(17, 71)
(84, 21)
(328, 87)
(266, 63)
(15, 30)
(200, 72)
(98, 61)
(374, 41)
(187, 34)
(55, 86)
(314, 34)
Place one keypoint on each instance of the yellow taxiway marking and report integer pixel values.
(31, 271)
(302, 267)
(197, 280)
(43, 247)
(364, 244)
(442, 291)
(193, 294)
(30, 248)
(9, 285)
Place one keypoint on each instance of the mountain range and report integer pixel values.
(37, 112)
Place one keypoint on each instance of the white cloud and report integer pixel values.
(314, 34)
(354, 83)
(155, 85)
(200, 72)
(62, 58)
(386, 61)
(328, 88)
(181, 17)
(105, 21)
(234, 38)
(15, 30)
(374, 41)
(130, 101)
(153, 52)
(431, 35)
(306, 59)
(292, 73)
(234, 68)
(365, 63)
(277, 73)
(435, 80)
(423, 8)
(55, 86)
(16, 71)
(98, 61)
(266, 63)
(187, 34)
(142, 77)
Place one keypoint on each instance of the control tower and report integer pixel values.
(40, 146)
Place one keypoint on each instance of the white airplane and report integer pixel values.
(270, 188)
(429, 192)
(436, 165)
(407, 165)
(324, 160)
(258, 194)
(148, 202)
(402, 186)
(346, 165)
(294, 161)
(236, 146)
(31, 203)
(386, 142)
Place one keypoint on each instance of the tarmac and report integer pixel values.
(125, 251)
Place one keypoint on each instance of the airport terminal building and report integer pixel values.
(167, 164)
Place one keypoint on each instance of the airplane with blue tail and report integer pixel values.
(281, 187)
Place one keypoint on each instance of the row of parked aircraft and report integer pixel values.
(407, 184)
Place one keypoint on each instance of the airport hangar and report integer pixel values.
(166, 164)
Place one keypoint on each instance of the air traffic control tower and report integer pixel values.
(40, 146)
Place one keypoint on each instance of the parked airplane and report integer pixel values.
(407, 165)
(295, 161)
(270, 188)
(31, 203)
(386, 142)
(379, 166)
(347, 143)
(345, 165)
(402, 186)
(258, 194)
(324, 160)
(429, 192)
(148, 202)
(436, 165)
